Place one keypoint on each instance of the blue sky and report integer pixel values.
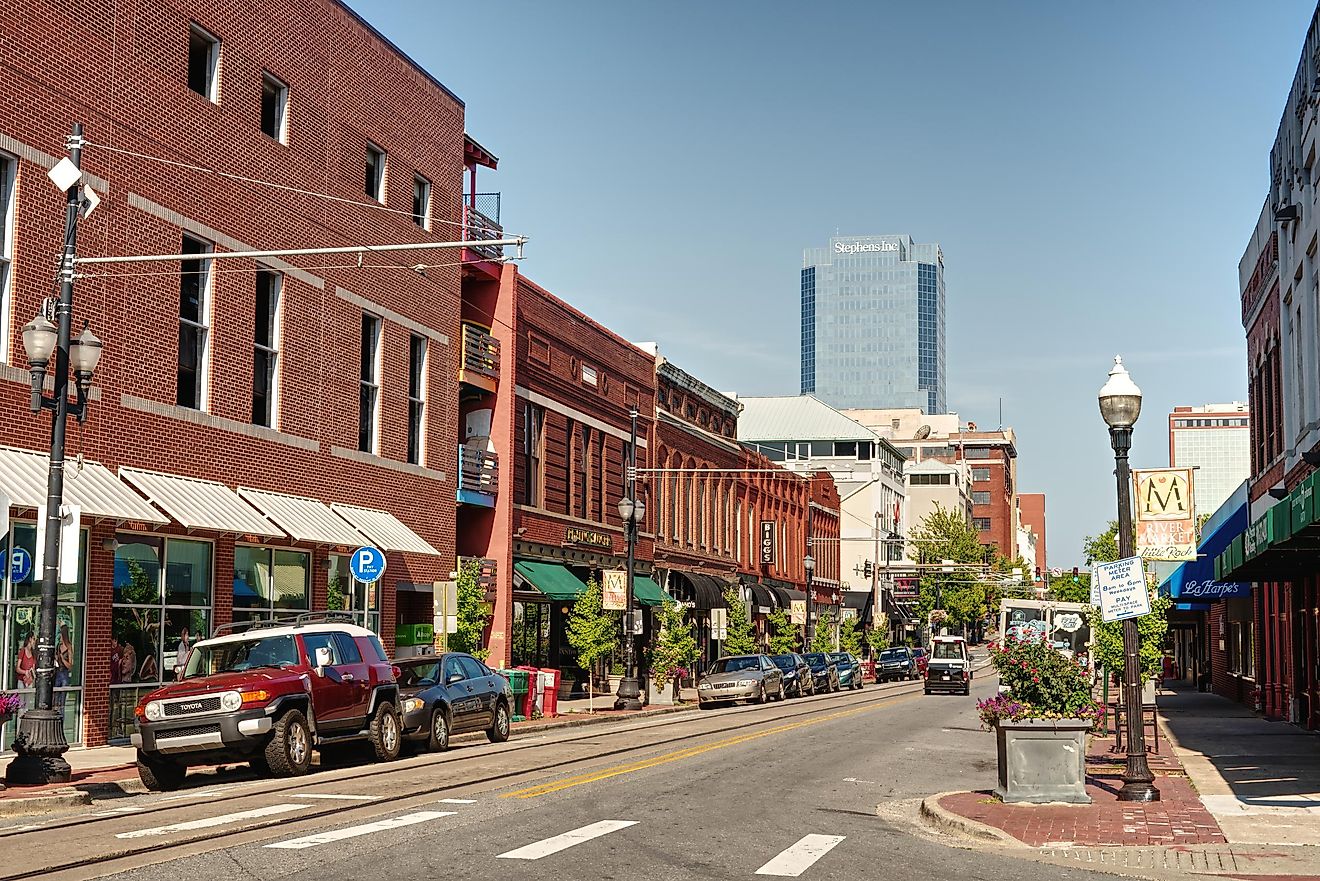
(1091, 171)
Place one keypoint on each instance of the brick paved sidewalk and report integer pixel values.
(1179, 818)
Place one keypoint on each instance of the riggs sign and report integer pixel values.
(863, 247)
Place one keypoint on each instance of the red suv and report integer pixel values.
(269, 694)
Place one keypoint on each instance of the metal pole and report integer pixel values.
(40, 743)
(630, 691)
(1138, 781)
(810, 629)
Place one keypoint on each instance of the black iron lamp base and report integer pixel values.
(629, 696)
(40, 745)
(1139, 791)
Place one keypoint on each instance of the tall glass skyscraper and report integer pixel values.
(873, 323)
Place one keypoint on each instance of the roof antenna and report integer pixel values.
(1001, 413)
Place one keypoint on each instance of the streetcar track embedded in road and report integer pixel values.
(382, 804)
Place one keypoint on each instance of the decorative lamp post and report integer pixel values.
(1120, 405)
(809, 564)
(40, 743)
(632, 511)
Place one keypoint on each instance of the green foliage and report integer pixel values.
(784, 635)
(592, 632)
(1043, 684)
(945, 534)
(878, 639)
(676, 650)
(1064, 590)
(822, 638)
(1151, 628)
(741, 640)
(850, 636)
(1102, 548)
(473, 612)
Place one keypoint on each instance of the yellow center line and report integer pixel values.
(688, 752)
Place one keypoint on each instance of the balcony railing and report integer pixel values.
(478, 476)
(481, 221)
(486, 572)
(481, 358)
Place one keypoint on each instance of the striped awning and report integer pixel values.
(200, 504)
(303, 518)
(385, 530)
(91, 486)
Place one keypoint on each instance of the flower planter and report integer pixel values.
(1042, 760)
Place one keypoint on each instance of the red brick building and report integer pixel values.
(1031, 512)
(237, 399)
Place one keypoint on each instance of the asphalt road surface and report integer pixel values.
(817, 788)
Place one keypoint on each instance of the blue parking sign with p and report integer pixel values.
(367, 564)
(20, 565)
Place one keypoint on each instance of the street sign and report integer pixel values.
(70, 516)
(767, 542)
(367, 564)
(1123, 591)
(1166, 516)
(20, 565)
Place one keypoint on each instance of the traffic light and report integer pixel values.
(1038, 573)
(1076, 579)
(868, 569)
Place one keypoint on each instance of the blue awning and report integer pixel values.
(1194, 581)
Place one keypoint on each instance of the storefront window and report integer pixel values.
(531, 634)
(267, 581)
(344, 594)
(162, 605)
(19, 600)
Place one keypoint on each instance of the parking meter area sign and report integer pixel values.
(1123, 592)
(367, 564)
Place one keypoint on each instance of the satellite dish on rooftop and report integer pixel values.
(923, 432)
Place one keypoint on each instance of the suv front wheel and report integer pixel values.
(159, 774)
(288, 753)
(385, 734)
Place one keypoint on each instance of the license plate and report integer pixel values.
(945, 678)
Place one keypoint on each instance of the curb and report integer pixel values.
(947, 821)
(569, 720)
(40, 804)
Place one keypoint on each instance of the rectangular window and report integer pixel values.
(533, 447)
(980, 498)
(266, 350)
(589, 375)
(203, 61)
(274, 106)
(421, 212)
(416, 398)
(194, 324)
(375, 172)
(981, 524)
(584, 474)
(369, 384)
(845, 448)
(8, 169)
(269, 581)
(980, 474)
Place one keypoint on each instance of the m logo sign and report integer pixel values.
(767, 542)
(1166, 517)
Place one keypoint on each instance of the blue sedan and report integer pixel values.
(850, 669)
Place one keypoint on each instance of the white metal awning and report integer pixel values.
(93, 487)
(384, 529)
(303, 518)
(200, 504)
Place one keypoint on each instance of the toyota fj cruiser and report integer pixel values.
(269, 694)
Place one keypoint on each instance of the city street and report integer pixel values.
(785, 789)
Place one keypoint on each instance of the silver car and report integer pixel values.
(752, 678)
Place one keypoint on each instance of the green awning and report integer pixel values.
(551, 579)
(648, 593)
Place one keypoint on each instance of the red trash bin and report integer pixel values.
(550, 700)
(533, 683)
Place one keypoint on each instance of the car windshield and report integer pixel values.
(840, 657)
(234, 656)
(816, 658)
(734, 665)
(424, 674)
(892, 655)
(947, 651)
(785, 662)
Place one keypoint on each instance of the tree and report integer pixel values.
(822, 639)
(592, 632)
(1064, 589)
(945, 534)
(878, 639)
(1150, 629)
(473, 612)
(1102, 548)
(741, 640)
(676, 650)
(784, 635)
(850, 636)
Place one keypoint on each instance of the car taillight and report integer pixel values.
(256, 697)
(398, 674)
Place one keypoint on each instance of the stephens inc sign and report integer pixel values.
(864, 247)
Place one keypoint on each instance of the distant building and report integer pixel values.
(931, 484)
(1031, 515)
(1216, 440)
(873, 316)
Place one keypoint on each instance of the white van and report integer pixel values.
(950, 666)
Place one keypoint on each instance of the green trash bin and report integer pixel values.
(517, 682)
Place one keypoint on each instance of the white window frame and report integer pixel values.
(382, 172)
(373, 384)
(212, 92)
(8, 182)
(424, 221)
(274, 350)
(421, 395)
(282, 108)
(590, 376)
(204, 312)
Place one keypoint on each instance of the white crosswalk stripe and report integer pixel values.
(793, 861)
(208, 822)
(457, 801)
(355, 831)
(547, 846)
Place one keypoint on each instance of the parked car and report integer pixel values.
(950, 668)
(269, 694)
(850, 669)
(449, 694)
(896, 663)
(738, 678)
(797, 674)
(824, 673)
(923, 659)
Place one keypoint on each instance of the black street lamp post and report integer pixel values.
(40, 743)
(632, 511)
(1120, 405)
(809, 564)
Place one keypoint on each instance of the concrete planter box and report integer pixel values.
(1043, 760)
